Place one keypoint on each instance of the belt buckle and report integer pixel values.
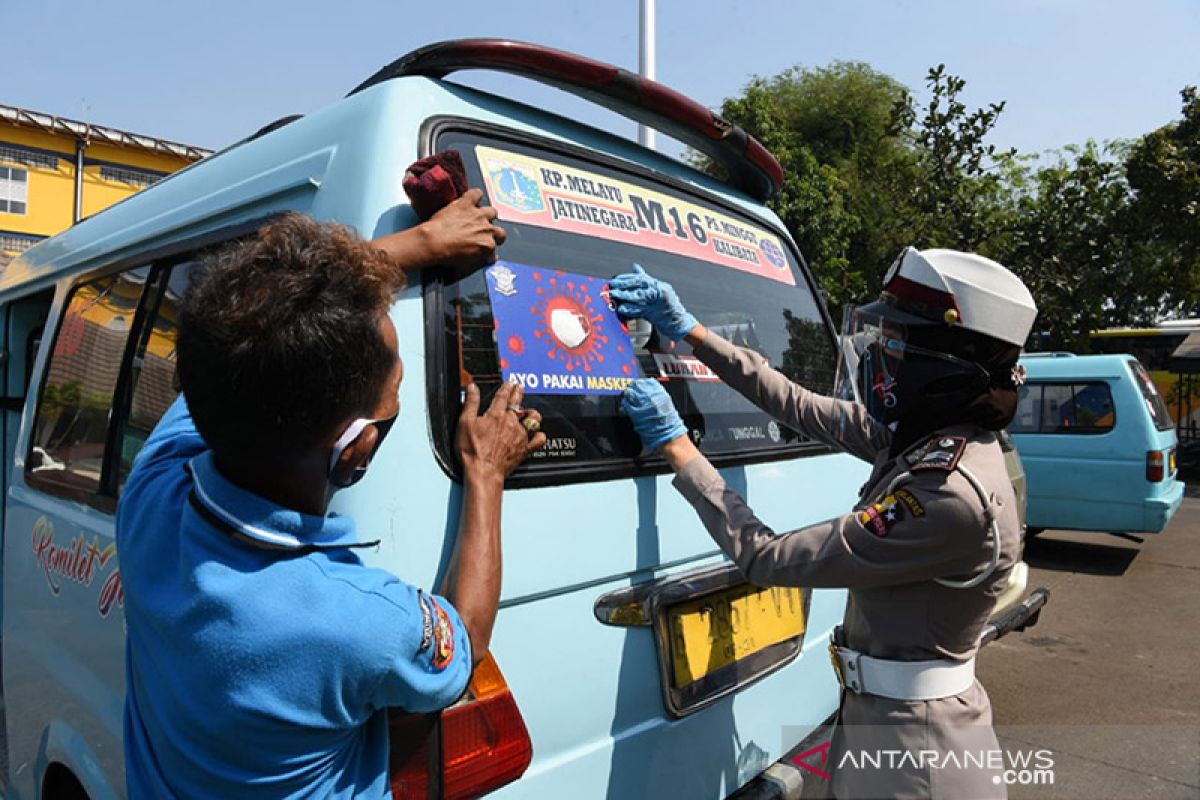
(837, 663)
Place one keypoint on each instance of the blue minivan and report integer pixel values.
(629, 658)
(1097, 443)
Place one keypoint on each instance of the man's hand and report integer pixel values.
(462, 234)
(640, 296)
(491, 446)
(494, 444)
(653, 414)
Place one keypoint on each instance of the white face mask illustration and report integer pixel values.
(570, 327)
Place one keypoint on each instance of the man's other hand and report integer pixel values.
(495, 443)
(463, 234)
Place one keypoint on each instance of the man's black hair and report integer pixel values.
(279, 339)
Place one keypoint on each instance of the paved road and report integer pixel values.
(1107, 680)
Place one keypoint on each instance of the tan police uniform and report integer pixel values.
(922, 517)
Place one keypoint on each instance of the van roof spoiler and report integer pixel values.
(750, 165)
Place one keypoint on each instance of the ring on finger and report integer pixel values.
(532, 424)
(516, 409)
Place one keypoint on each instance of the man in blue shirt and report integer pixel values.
(261, 653)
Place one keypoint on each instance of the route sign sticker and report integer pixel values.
(548, 194)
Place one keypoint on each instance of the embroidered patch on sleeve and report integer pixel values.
(426, 622)
(941, 453)
(879, 518)
(914, 505)
(443, 637)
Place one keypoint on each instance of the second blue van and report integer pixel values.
(1098, 445)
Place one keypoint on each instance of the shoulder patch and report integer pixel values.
(443, 637)
(426, 622)
(879, 518)
(940, 452)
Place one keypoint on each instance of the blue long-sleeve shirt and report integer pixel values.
(261, 653)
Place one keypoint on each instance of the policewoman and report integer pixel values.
(931, 542)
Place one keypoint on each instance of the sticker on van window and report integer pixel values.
(682, 368)
(556, 333)
(538, 192)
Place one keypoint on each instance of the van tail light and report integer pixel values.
(1155, 466)
(477, 745)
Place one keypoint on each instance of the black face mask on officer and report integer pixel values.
(894, 378)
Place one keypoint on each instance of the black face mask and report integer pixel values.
(352, 432)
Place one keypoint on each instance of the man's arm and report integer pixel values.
(491, 446)
(460, 235)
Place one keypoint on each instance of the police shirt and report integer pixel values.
(261, 653)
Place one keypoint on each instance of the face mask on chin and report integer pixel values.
(352, 432)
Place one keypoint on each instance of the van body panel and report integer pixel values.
(1097, 480)
(591, 694)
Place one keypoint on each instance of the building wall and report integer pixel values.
(110, 174)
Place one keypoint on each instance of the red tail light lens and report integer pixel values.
(484, 740)
(1155, 466)
(481, 744)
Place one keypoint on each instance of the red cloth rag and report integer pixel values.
(435, 182)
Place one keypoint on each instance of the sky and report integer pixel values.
(209, 72)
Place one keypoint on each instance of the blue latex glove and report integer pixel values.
(654, 416)
(640, 296)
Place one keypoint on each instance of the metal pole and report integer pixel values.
(80, 146)
(646, 135)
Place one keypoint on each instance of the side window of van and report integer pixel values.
(110, 379)
(1082, 408)
(575, 220)
(70, 430)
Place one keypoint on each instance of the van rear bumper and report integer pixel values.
(1157, 511)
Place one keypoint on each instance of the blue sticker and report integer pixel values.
(556, 333)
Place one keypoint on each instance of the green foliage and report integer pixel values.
(1103, 236)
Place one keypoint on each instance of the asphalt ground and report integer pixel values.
(1107, 680)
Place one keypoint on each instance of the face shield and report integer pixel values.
(883, 369)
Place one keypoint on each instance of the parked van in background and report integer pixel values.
(629, 658)
(1098, 445)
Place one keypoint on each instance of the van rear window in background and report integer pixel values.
(573, 224)
(1064, 408)
(1154, 400)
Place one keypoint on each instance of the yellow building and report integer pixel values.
(55, 172)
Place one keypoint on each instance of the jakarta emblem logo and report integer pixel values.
(517, 188)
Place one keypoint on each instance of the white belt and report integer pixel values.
(901, 680)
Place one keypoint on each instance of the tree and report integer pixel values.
(1164, 175)
(958, 194)
(833, 130)
(1072, 249)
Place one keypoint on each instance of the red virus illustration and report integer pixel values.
(569, 323)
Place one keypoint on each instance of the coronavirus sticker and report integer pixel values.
(548, 194)
(556, 333)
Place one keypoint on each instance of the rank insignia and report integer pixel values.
(443, 638)
(940, 453)
(879, 518)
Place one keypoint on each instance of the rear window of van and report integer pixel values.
(1152, 397)
(540, 315)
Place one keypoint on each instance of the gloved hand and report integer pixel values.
(640, 296)
(652, 412)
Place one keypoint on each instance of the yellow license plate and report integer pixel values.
(716, 630)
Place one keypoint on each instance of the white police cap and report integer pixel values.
(957, 288)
